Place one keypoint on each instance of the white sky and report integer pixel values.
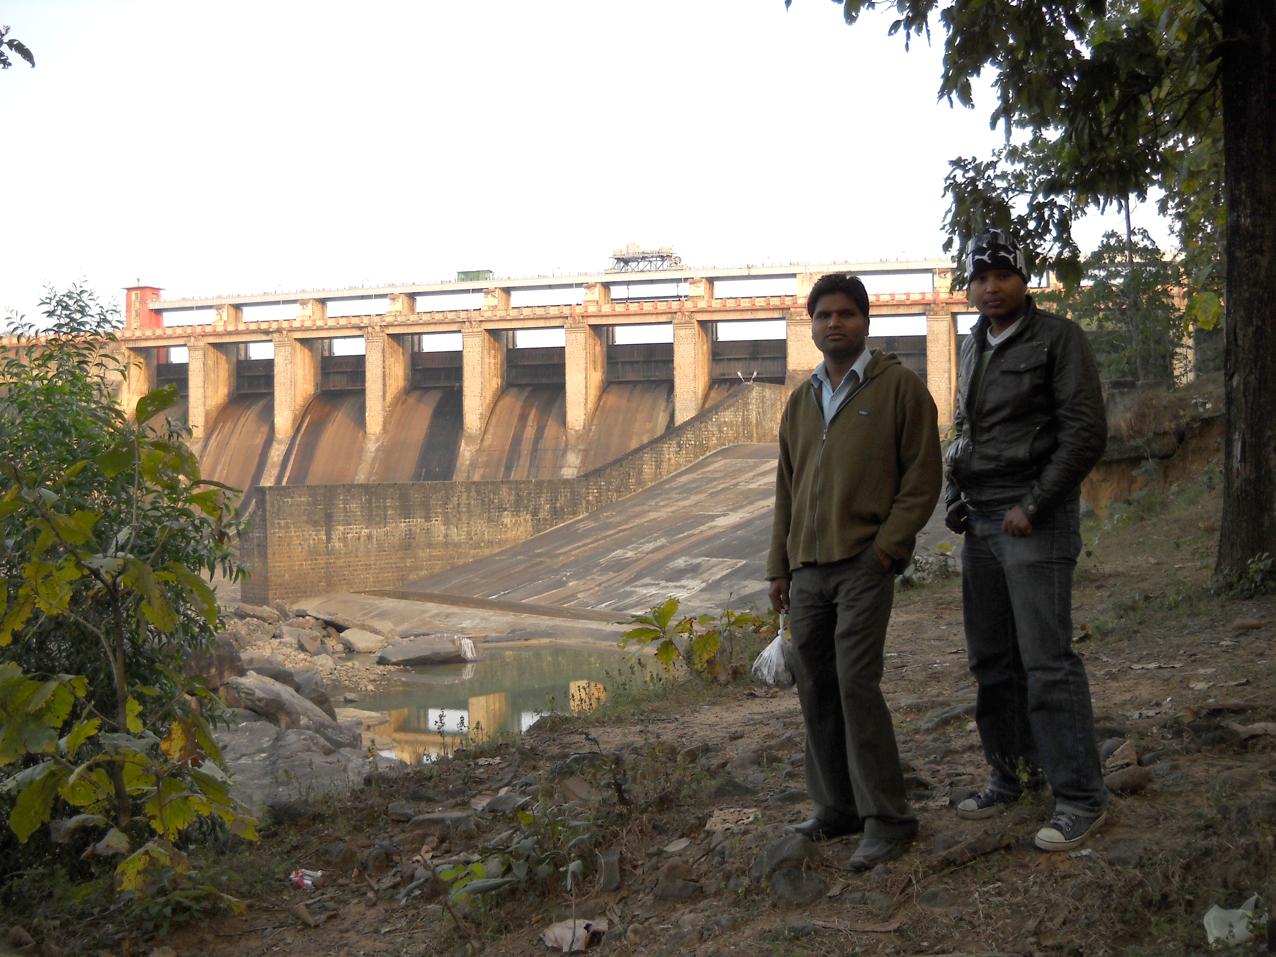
(253, 145)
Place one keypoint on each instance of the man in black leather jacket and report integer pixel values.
(1030, 425)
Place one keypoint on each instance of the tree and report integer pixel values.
(1112, 99)
(109, 538)
(17, 46)
(1127, 304)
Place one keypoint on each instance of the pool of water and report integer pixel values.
(438, 708)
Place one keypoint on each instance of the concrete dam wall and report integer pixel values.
(307, 539)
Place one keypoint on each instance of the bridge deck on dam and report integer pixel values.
(700, 535)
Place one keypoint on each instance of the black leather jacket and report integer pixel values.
(1039, 426)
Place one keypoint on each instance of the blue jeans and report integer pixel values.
(1033, 708)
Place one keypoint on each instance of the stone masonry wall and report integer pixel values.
(304, 540)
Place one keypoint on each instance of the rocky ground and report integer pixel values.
(661, 828)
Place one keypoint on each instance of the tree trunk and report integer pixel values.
(1248, 524)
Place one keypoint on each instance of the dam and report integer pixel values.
(362, 423)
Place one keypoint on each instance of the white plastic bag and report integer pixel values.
(773, 666)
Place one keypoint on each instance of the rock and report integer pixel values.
(795, 885)
(441, 823)
(1124, 854)
(676, 889)
(269, 766)
(270, 667)
(324, 663)
(576, 788)
(506, 803)
(1122, 757)
(1241, 625)
(942, 716)
(790, 850)
(367, 719)
(305, 639)
(217, 663)
(1109, 746)
(720, 924)
(18, 938)
(362, 642)
(260, 612)
(310, 686)
(401, 811)
(609, 870)
(245, 632)
(439, 649)
(1129, 780)
(790, 796)
(285, 708)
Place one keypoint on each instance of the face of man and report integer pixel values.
(838, 327)
(999, 294)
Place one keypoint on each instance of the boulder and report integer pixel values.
(273, 766)
(368, 719)
(270, 667)
(437, 649)
(286, 708)
(249, 631)
(362, 642)
(310, 686)
(305, 639)
(260, 612)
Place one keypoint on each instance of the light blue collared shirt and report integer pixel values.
(831, 399)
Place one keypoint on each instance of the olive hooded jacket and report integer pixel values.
(873, 475)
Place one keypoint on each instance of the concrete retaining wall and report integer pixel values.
(308, 540)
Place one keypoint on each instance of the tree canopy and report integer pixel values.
(1107, 101)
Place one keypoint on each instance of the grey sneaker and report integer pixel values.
(1066, 830)
(984, 804)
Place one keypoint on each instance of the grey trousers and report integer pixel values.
(838, 613)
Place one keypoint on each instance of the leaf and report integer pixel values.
(667, 653)
(87, 786)
(200, 592)
(133, 712)
(80, 733)
(664, 612)
(484, 886)
(114, 843)
(155, 402)
(117, 459)
(643, 634)
(171, 809)
(35, 802)
(1205, 310)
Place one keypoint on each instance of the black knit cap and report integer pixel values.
(994, 249)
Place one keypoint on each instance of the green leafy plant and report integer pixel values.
(111, 538)
(549, 842)
(708, 646)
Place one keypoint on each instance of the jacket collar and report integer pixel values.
(980, 331)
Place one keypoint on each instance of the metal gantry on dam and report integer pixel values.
(487, 378)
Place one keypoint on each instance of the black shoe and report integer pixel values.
(984, 804)
(1066, 830)
(823, 829)
(877, 850)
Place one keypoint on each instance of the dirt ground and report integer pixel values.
(671, 804)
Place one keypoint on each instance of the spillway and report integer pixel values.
(328, 444)
(237, 445)
(718, 391)
(422, 437)
(629, 414)
(525, 437)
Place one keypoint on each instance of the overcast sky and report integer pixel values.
(240, 147)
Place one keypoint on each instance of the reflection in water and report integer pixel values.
(436, 709)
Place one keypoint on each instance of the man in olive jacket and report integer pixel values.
(858, 476)
(1030, 424)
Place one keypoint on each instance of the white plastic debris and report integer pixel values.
(1227, 927)
(772, 667)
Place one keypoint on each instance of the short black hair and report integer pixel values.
(851, 286)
